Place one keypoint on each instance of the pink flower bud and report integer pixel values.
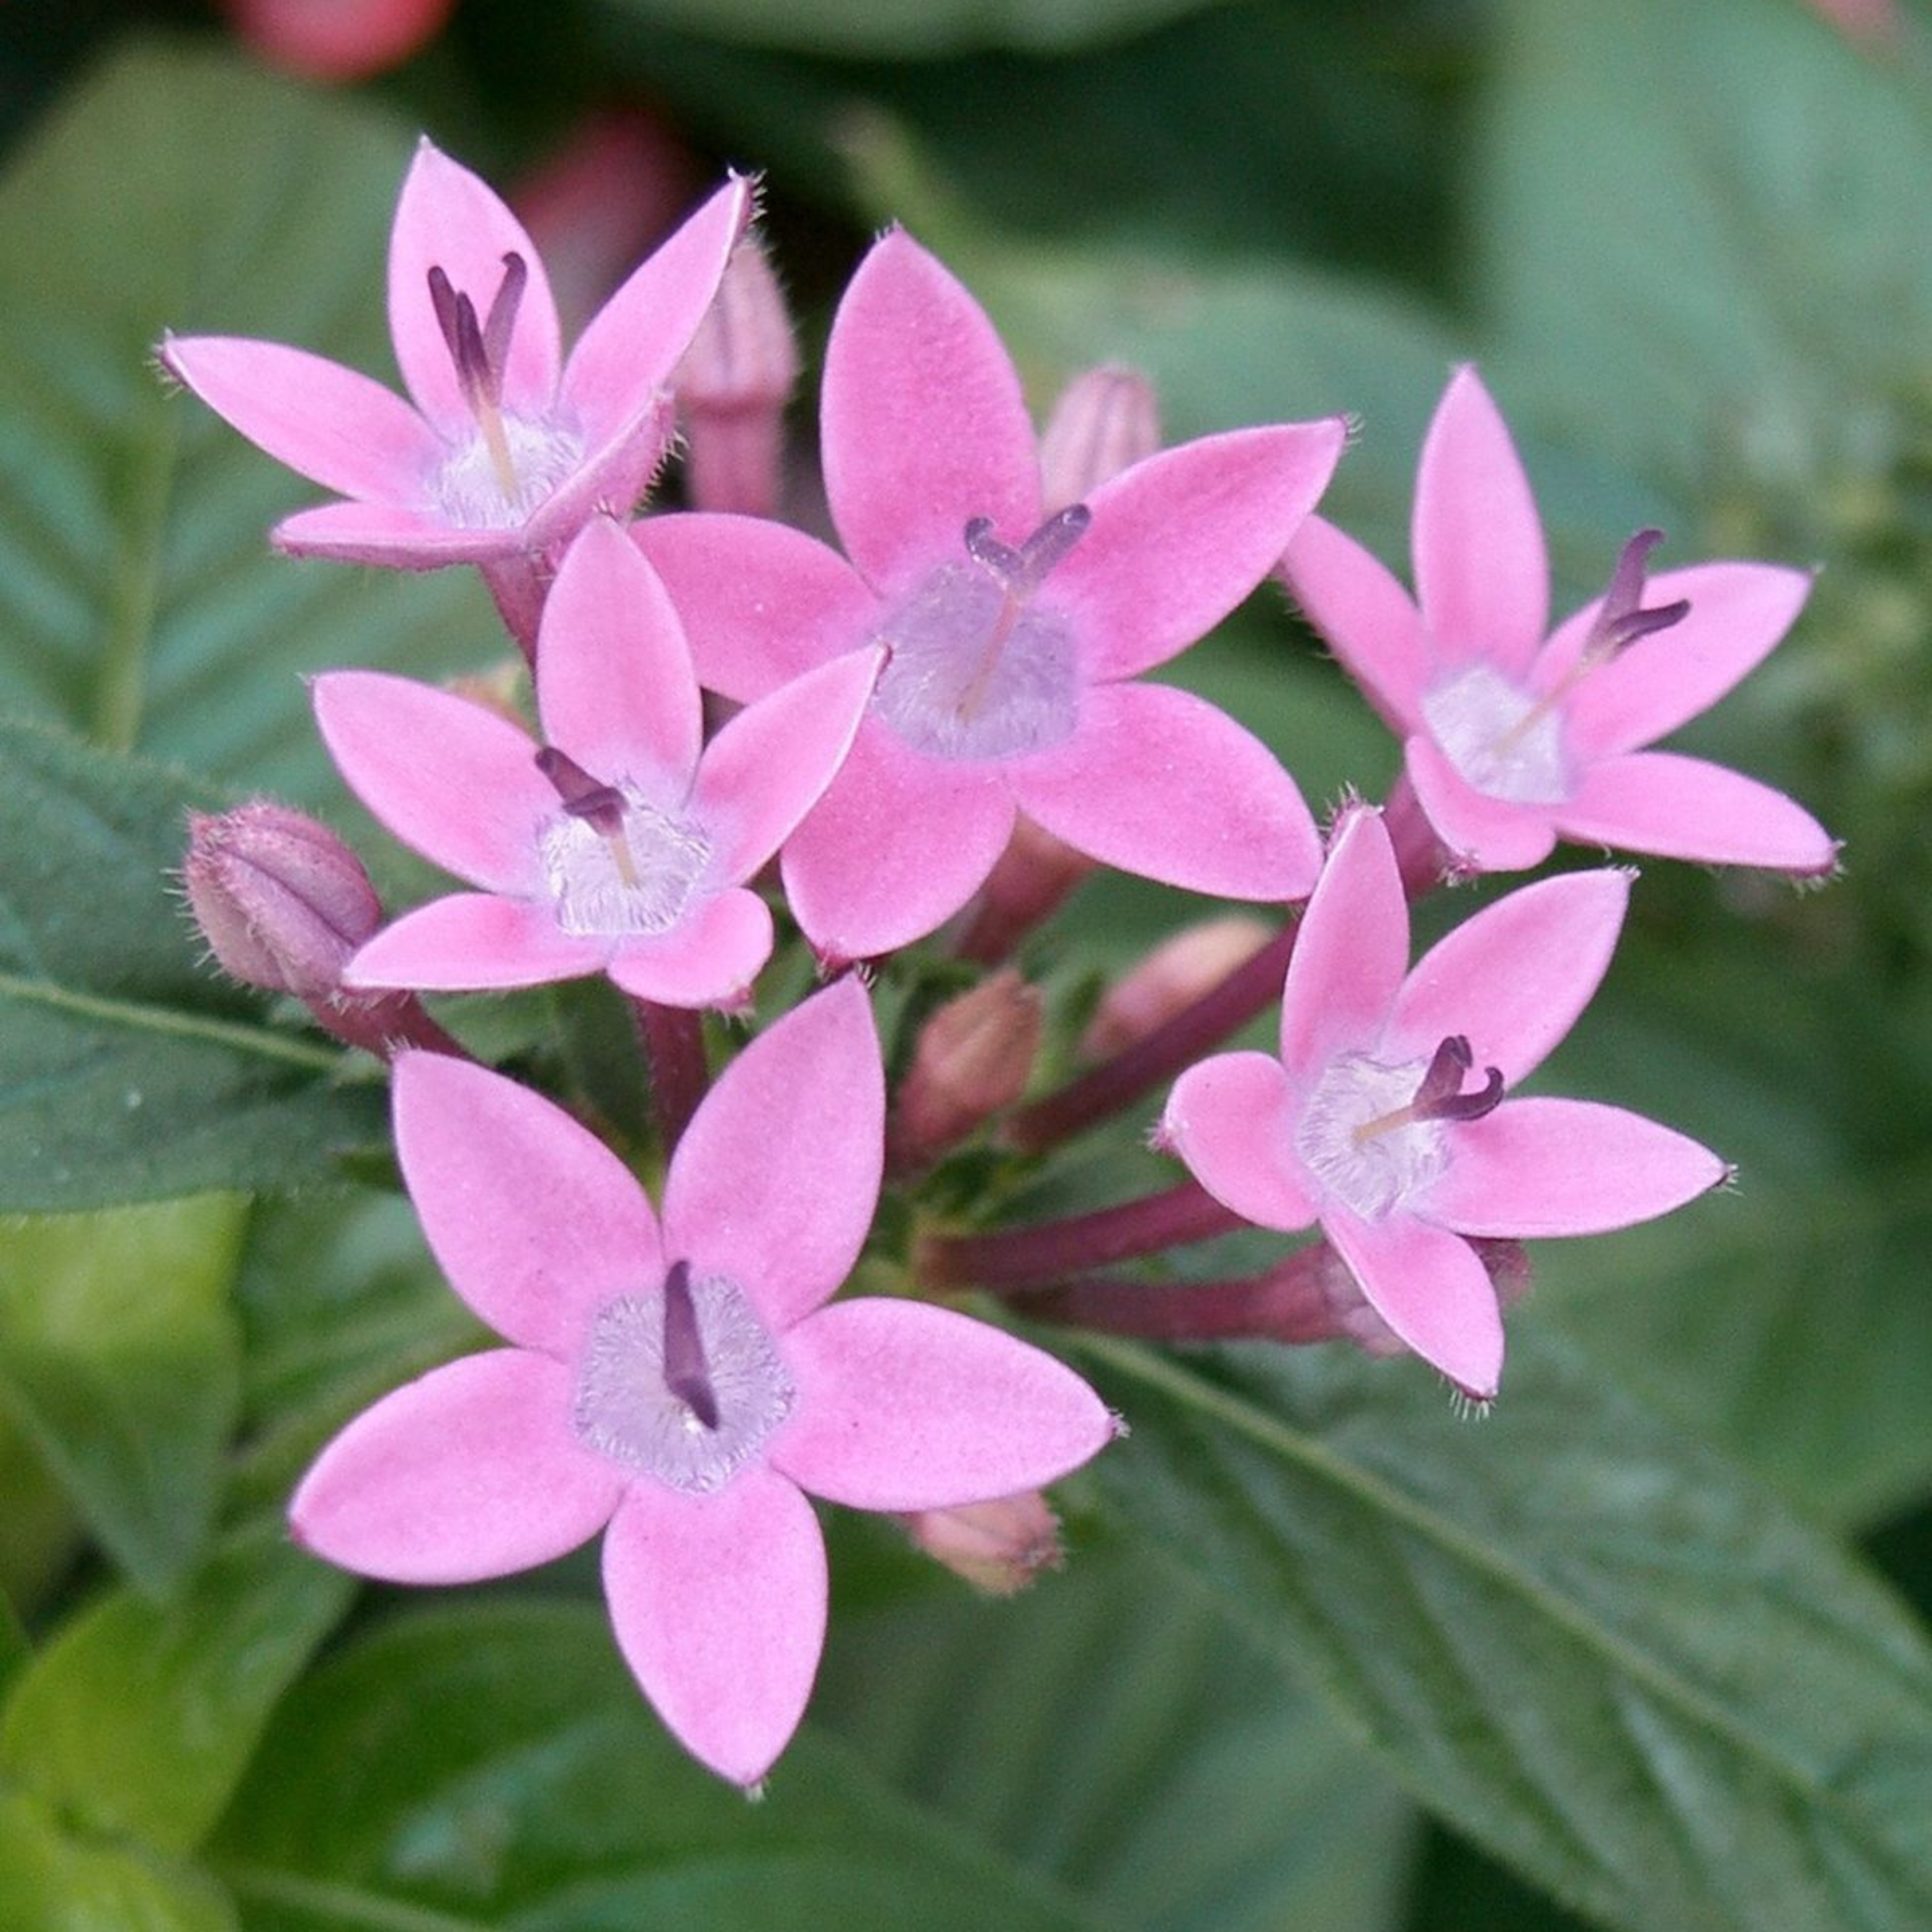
(732, 387)
(338, 40)
(999, 1547)
(280, 899)
(972, 1060)
(1105, 421)
(1171, 978)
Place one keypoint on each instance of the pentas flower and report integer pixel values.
(508, 450)
(1511, 740)
(681, 1382)
(1013, 638)
(1384, 1118)
(622, 843)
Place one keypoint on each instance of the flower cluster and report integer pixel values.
(933, 730)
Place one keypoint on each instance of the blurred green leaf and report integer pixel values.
(138, 598)
(128, 1071)
(340, 1302)
(493, 1767)
(15, 1652)
(914, 27)
(38, 1527)
(1122, 1740)
(118, 1356)
(136, 1720)
(1585, 1641)
(52, 1882)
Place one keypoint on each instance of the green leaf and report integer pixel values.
(914, 27)
(38, 1527)
(127, 1070)
(118, 1356)
(1584, 1641)
(462, 1770)
(1119, 1736)
(137, 1720)
(138, 600)
(52, 1882)
(15, 1651)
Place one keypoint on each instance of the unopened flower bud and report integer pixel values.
(281, 900)
(1170, 979)
(732, 387)
(1105, 421)
(1034, 874)
(999, 1547)
(338, 40)
(972, 1061)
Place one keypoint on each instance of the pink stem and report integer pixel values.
(674, 1043)
(1288, 1303)
(384, 1023)
(1017, 1258)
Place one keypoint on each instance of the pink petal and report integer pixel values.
(719, 1602)
(1683, 807)
(1484, 834)
(896, 846)
(709, 959)
(631, 345)
(1231, 1119)
(905, 1406)
(1351, 953)
(1365, 617)
(1566, 1167)
(447, 218)
(763, 603)
(536, 1223)
(1159, 783)
(1178, 541)
(775, 1180)
(1739, 612)
(1481, 572)
(1429, 1286)
(1515, 977)
(389, 538)
(616, 690)
(474, 942)
(607, 481)
(326, 422)
(454, 780)
(924, 426)
(469, 1471)
(771, 764)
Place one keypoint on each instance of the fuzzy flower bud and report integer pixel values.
(281, 900)
(999, 1547)
(1176, 974)
(1106, 420)
(972, 1060)
(732, 387)
(338, 40)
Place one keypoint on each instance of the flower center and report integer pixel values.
(494, 481)
(1509, 744)
(1375, 1135)
(683, 1382)
(615, 863)
(974, 670)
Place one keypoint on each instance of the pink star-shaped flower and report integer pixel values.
(1512, 741)
(1014, 639)
(682, 1382)
(1363, 1124)
(504, 454)
(620, 845)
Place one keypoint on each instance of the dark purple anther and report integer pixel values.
(1021, 572)
(1440, 1096)
(1623, 620)
(600, 806)
(686, 1373)
(480, 350)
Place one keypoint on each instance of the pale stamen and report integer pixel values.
(1019, 573)
(480, 352)
(1619, 624)
(601, 806)
(1439, 1097)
